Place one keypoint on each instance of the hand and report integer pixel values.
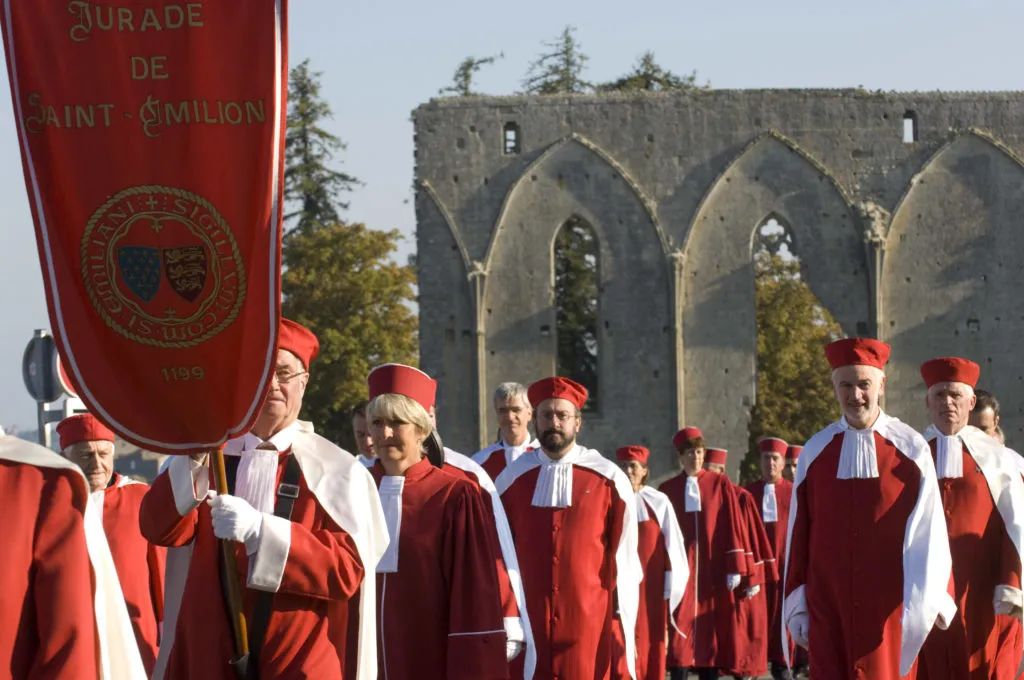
(235, 520)
(799, 627)
(512, 649)
(750, 592)
(732, 581)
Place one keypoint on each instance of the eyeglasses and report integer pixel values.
(284, 377)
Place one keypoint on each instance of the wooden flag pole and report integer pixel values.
(234, 588)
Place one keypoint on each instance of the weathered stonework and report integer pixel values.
(918, 242)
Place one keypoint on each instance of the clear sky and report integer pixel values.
(381, 59)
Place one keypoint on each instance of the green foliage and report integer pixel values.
(341, 282)
(310, 184)
(576, 305)
(794, 387)
(462, 80)
(648, 76)
(559, 70)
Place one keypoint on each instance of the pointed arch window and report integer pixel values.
(577, 306)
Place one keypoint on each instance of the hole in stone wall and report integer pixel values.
(511, 138)
(909, 127)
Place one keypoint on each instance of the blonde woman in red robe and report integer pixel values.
(439, 609)
(664, 565)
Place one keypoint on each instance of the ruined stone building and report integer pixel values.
(906, 211)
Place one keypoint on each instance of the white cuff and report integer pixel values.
(1008, 600)
(514, 629)
(190, 483)
(266, 564)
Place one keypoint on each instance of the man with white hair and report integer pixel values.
(984, 500)
(868, 562)
(140, 564)
(514, 412)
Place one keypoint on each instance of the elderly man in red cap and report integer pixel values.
(983, 496)
(140, 564)
(662, 561)
(307, 528)
(438, 596)
(573, 517)
(868, 563)
(771, 496)
(714, 528)
(62, 614)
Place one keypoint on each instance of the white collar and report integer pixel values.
(769, 503)
(858, 458)
(554, 482)
(949, 452)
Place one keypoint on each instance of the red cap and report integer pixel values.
(405, 380)
(715, 456)
(557, 387)
(857, 351)
(772, 444)
(82, 427)
(950, 369)
(634, 452)
(298, 340)
(686, 435)
(793, 452)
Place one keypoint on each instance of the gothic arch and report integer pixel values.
(772, 176)
(449, 222)
(954, 245)
(574, 177)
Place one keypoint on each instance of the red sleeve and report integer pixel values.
(476, 634)
(731, 532)
(796, 566)
(322, 563)
(1009, 563)
(159, 519)
(508, 598)
(156, 558)
(62, 586)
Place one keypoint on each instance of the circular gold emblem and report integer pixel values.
(161, 266)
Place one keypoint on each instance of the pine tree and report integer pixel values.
(311, 185)
(648, 76)
(462, 80)
(560, 69)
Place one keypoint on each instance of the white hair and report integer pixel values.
(508, 391)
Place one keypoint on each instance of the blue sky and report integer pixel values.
(381, 59)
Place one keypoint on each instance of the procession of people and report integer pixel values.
(872, 551)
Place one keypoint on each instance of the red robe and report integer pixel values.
(439, 614)
(496, 457)
(47, 626)
(978, 645)
(851, 556)
(715, 547)
(572, 560)
(777, 538)
(139, 563)
(321, 570)
(749, 643)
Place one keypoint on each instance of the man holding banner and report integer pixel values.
(307, 527)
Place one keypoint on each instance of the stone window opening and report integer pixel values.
(511, 138)
(909, 127)
(577, 306)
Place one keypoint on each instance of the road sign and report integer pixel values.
(39, 368)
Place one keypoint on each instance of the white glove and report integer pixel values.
(235, 520)
(750, 592)
(799, 627)
(732, 581)
(1008, 601)
(512, 649)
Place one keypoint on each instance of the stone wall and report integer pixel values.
(915, 241)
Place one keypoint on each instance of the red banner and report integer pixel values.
(152, 138)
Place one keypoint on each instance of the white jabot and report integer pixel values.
(642, 515)
(858, 458)
(949, 456)
(513, 452)
(769, 504)
(391, 500)
(256, 479)
(692, 495)
(554, 483)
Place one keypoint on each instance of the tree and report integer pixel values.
(310, 184)
(560, 69)
(576, 305)
(648, 76)
(341, 282)
(794, 388)
(462, 80)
